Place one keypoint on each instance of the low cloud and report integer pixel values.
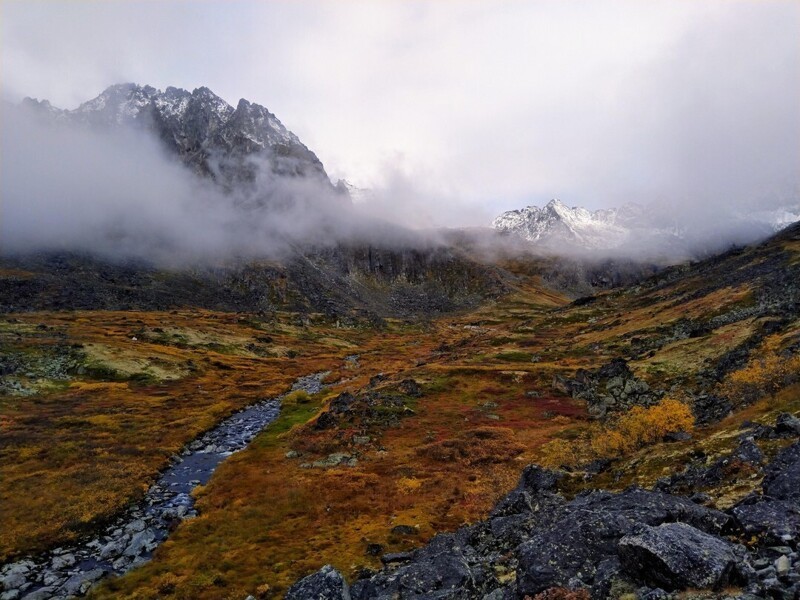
(119, 194)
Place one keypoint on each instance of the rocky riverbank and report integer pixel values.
(132, 538)
(644, 544)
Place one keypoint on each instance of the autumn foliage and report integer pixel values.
(638, 427)
(767, 372)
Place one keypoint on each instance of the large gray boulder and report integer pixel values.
(439, 570)
(587, 531)
(325, 584)
(782, 481)
(677, 556)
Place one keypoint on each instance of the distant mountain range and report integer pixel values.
(205, 132)
(559, 227)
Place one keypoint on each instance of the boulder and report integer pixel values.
(410, 388)
(63, 561)
(405, 530)
(325, 584)
(587, 530)
(439, 570)
(782, 479)
(787, 425)
(325, 420)
(144, 541)
(676, 556)
(776, 521)
(535, 492)
(747, 451)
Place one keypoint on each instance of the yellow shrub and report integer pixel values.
(641, 426)
(638, 427)
(555, 453)
(408, 485)
(296, 397)
(766, 373)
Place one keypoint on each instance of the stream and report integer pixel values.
(131, 539)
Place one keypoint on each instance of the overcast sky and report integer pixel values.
(465, 108)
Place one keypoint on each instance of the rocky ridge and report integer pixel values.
(202, 130)
(632, 228)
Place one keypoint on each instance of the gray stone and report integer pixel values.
(112, 549)
(135, 526)
(52, 579)
(141, 542)
(60, 562)
(677, 556)
(325, 584)
(44, 593)
(782, 566)
(81, 582)
(14, 580)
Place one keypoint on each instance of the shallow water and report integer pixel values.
(132, 538)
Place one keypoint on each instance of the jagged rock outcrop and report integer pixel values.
(325, 584)
(631, 228)
(231, 145)
(611, 388)
(677, 556)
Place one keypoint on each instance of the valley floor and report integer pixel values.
(422, 428)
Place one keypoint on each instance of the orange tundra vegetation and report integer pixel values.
(486, 410)
(638, 427)
(767, 372)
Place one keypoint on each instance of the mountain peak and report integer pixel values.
(200, 128)
(556, 226)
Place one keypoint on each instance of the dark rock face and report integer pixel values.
(588, 530)
(775, 521)
(782, 481)
(201, 129)
(325, 584)
(677, 555)
(439, 570)
(421, 282)
(611, 388)
(787, 425)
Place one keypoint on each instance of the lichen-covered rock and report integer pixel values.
(325, 584)
(439, 570)
(782, 479)
(676, 556)
(587, 530)
(787, 424)
(776, 521)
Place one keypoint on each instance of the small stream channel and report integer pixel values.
(130, 541)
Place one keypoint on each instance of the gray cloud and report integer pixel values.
(692, 105)
(116, 192)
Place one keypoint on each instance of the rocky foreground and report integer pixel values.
(646, 544)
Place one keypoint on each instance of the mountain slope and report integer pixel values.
(634, 229)
(205, 132)
(557, 223)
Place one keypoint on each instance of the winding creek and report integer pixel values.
(130, 541)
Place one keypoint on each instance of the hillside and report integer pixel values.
(423, 427)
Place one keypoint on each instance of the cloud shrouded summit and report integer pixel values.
(466, 109)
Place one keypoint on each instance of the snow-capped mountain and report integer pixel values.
(204, 131)
(557, 223)
(559, 227)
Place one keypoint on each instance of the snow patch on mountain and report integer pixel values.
(558, 223)
(559, 227)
